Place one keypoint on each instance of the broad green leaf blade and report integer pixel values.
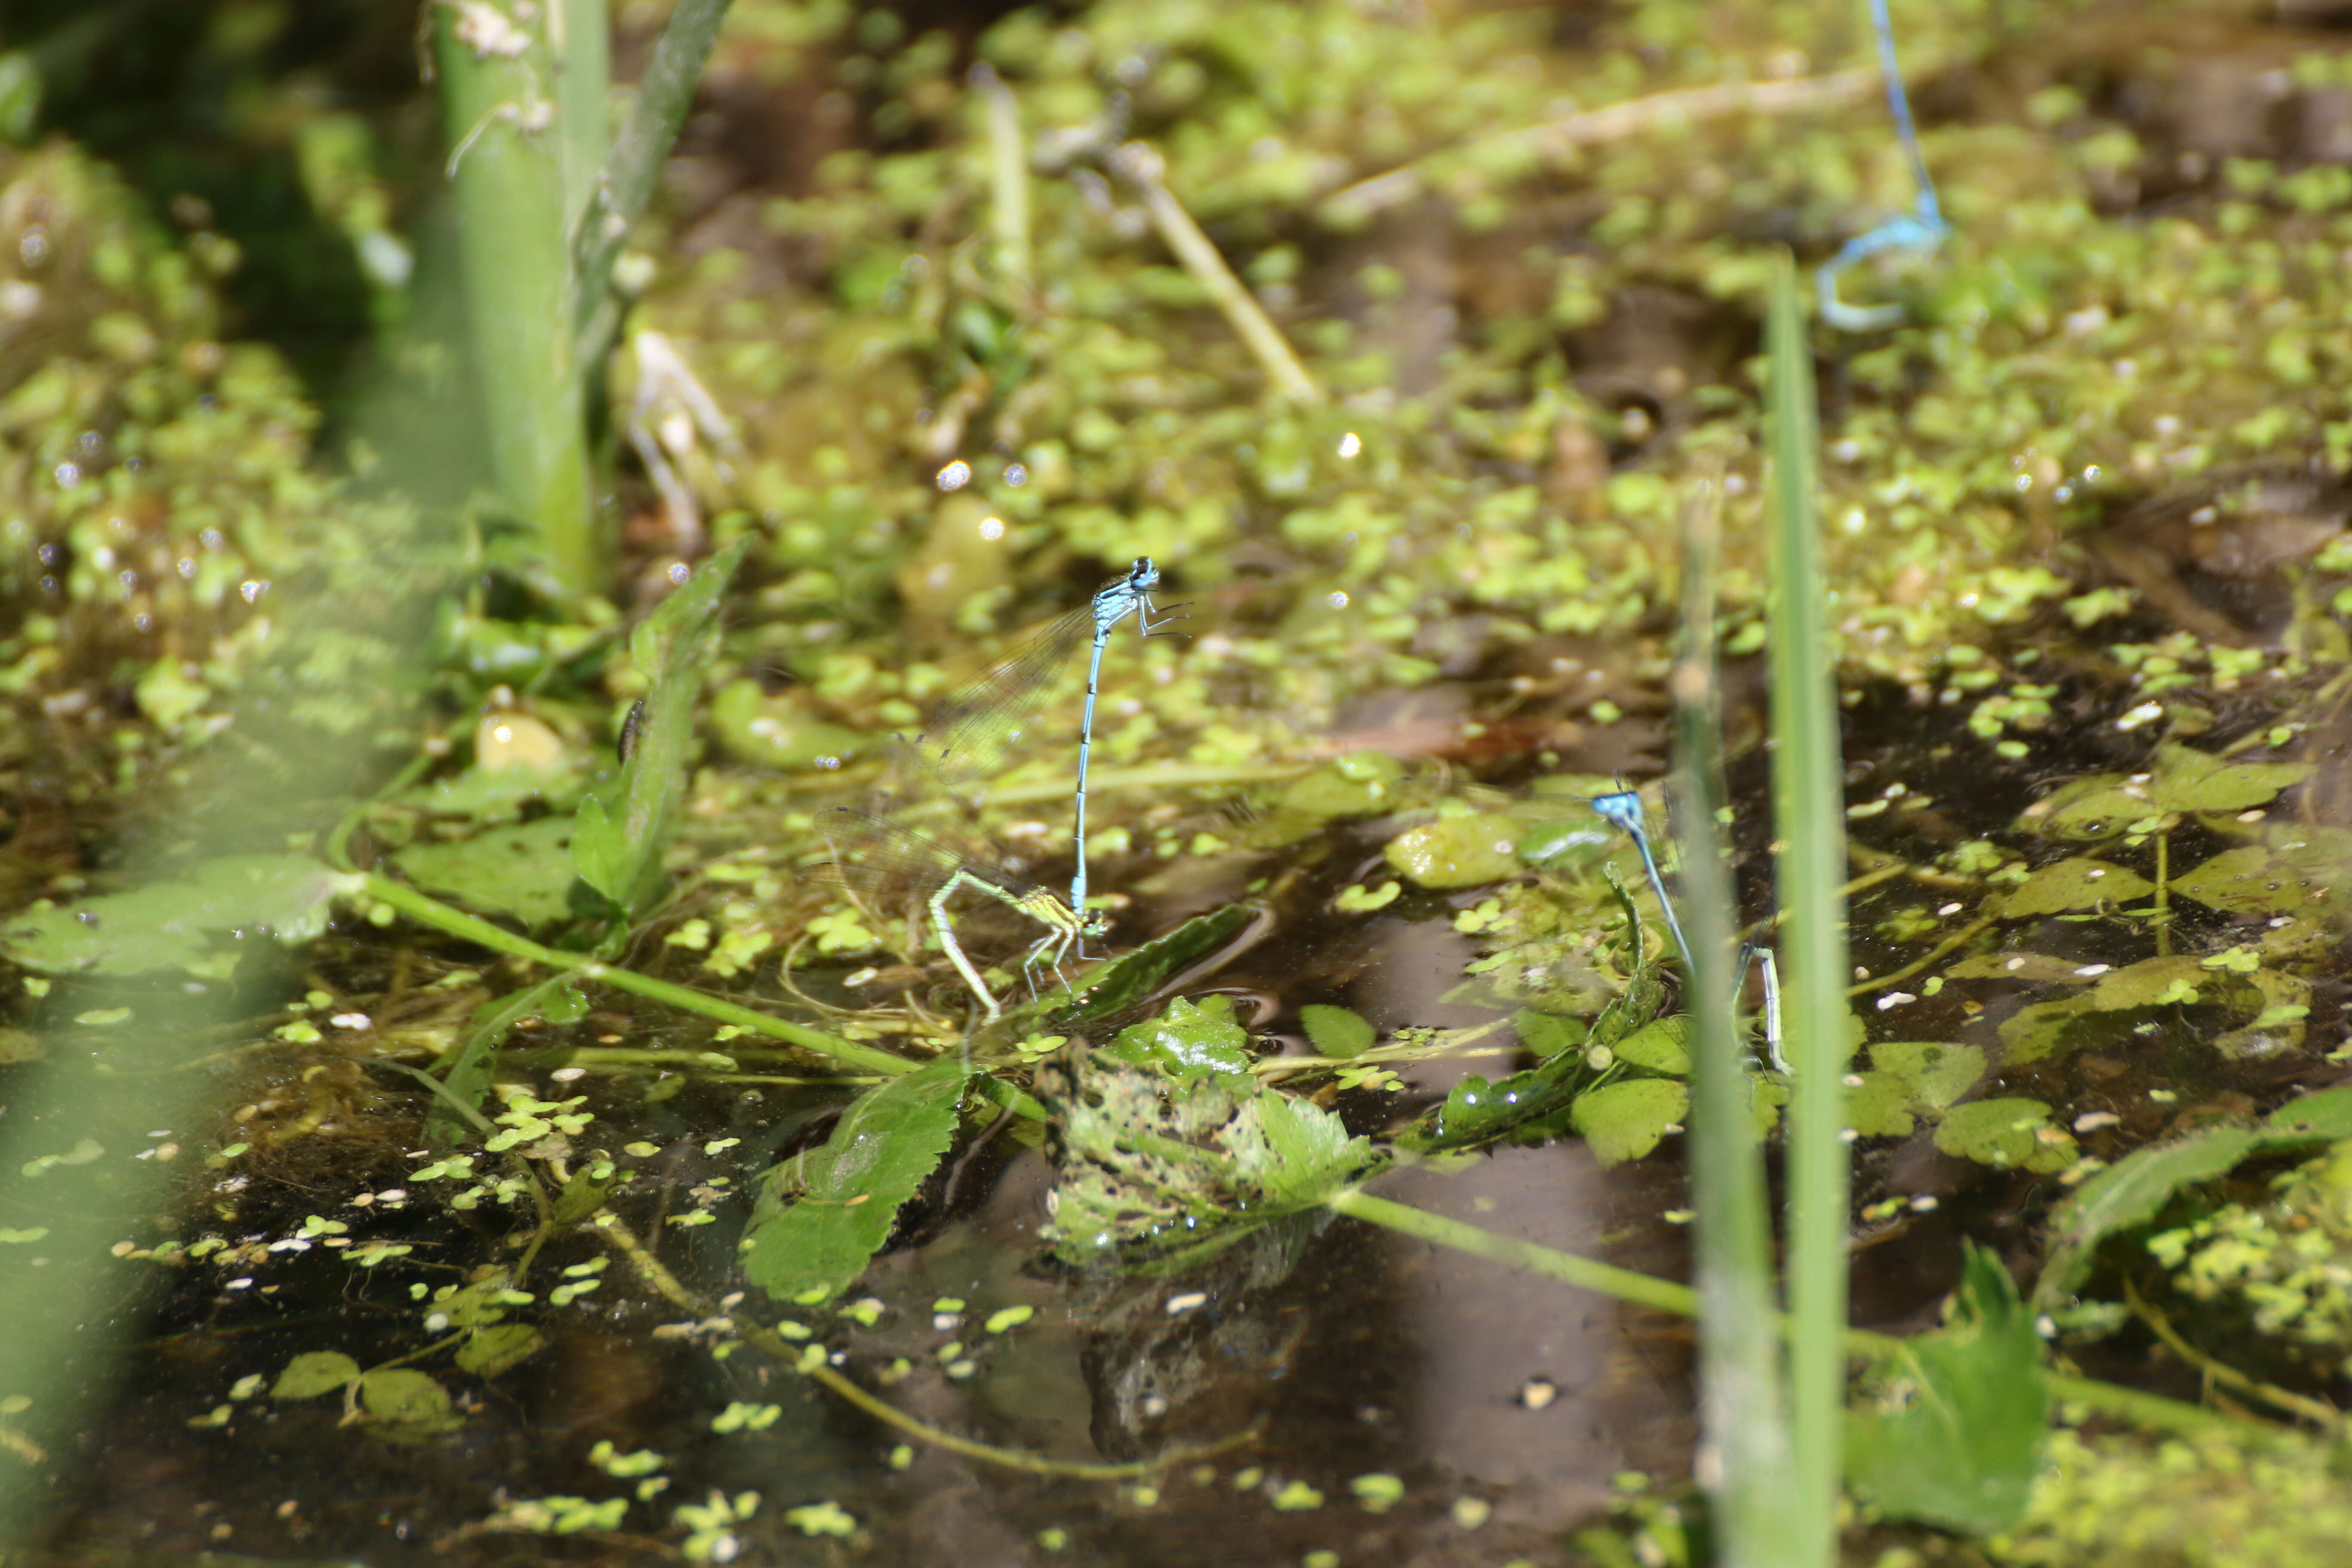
(1954, 1434)
(1661, 1046)
(1293, 1153)
(1187, 1042)
(2190, 780)
(488, 1352)
(169, 925)
(621, 830)
(1625, 1120)
(821, 1215)
(314, 1372)
(2074, 883)
(2007, 1133)
(525, 872)
(2127, 1194)
(1337, 1031)
(1134, 977)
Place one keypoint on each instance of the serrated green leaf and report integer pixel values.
(621, 830)
(822, 1215)
(2129, 1193)
(525, 872)
(1622, 1121)
(1336, 1031)
(1294, 1154)
(2010, 1132)
(314, 1372)
(1952, 1432)
(2190, 780)
(491, 1351)
(2074, 883)
(1660, 1046)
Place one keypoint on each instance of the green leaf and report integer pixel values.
(491, 1351)
(622, 832)
(2032, 968)
(1625, 1120)
(314, 1372)
(168, 925)
(2100, 806)
(1189, 1041)
(1131, 978)
(2255, 879)
(406, 1405)
(1934, 1072)
(2188, 780)
(1879, 1107)
(822, 1215)
(469, 1078)
(1292, 1154)
(2129, 1193)
(1660, 1046)
(1567, 844)
(1336, 1031)
(1547, 1034)
(524, 871)
(1952, 1435)
(2074, 883)
(1458, 851)
(2008, 1132)
(1361, 783)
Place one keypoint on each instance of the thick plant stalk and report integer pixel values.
(504, 91)
(1744, 1439)
(1809, 820)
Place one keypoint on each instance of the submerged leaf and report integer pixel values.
(1457, 851)
(525, 872)
(169, 925)
(1660, 1046)
(488, 1352)
(2257, 879)
(1625, 1120)
(822, 1215)
(1953, 1433)
(1336, 1031)
(2189, 780)
(2074, 883)
(1288, 1155)
(2129, 1193)
(314, 1372)
(2007, 1133)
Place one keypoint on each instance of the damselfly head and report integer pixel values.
(1095, 923)
(1143, 576)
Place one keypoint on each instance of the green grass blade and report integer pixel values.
(1809, 821)
(1744, 1424)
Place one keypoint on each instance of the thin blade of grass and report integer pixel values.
(1744, 1433)
(1809, 821)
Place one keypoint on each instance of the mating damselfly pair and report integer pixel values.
(969, 740)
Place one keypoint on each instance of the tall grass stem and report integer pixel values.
(1744, 1439)
(1809, 821)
